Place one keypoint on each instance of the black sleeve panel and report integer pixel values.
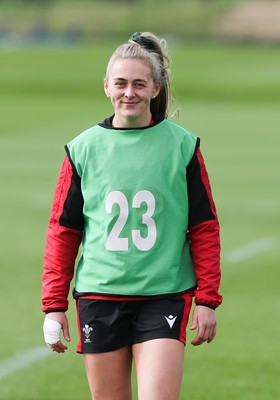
(72, 214)
(201, 206)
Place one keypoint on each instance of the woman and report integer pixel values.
(134, 190)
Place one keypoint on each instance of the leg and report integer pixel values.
(109, 374)
(159, 368)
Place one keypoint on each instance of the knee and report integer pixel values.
(112, 392)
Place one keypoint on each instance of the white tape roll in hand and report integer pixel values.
(51, 330)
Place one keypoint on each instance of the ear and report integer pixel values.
(156, 91)
(106, 88)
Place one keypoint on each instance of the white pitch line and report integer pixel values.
(22, 360)
(250, 250)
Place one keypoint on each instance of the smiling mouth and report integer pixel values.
(129, 103)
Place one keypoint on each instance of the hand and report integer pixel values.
(204, 319)
(54, 323)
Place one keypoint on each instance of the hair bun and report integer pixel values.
(143, 41)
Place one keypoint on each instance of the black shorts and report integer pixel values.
(107, 325)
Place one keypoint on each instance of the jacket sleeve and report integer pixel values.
(203, 233)
(64, 236)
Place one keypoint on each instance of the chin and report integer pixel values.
(131, 115)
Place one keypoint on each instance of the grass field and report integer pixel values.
(230, 97)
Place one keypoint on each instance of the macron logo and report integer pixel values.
(170, 320)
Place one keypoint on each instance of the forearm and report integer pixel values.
(62, 247)
(205, 250)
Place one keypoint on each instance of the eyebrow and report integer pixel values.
(135, 80)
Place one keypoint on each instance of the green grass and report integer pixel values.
(230, 97)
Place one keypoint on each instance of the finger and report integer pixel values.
(197, 341)
(58, 347)
(212, 335)
(200, 337)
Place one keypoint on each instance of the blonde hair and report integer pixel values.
(147, 46)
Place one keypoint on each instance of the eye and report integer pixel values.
(119, 83)
(140, 84)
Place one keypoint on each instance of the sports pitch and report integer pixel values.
(229, 96)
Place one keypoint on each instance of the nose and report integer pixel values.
(129, 91)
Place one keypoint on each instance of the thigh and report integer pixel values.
(109, 374)
(159, 367)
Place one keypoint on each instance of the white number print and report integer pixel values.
(146, 243)
(114, 241)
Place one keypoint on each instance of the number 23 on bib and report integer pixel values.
(116, 240)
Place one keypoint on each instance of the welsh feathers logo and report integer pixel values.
(87, 331)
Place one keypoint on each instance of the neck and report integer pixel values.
(122, 122)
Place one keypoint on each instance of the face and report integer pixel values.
(131, 87)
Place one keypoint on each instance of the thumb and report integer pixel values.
(65, 330)
(194, 322)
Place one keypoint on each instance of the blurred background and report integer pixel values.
(226, 84)
(73, 21)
